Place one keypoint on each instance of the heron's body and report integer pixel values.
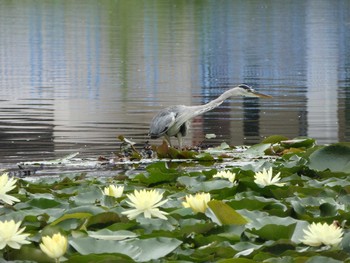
(174, 120)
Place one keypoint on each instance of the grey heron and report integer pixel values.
(174, 120)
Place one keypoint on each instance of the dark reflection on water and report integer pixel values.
(76, 74)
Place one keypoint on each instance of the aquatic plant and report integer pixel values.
(12, 235)
(304, 220)
(55, 246)
(6, 185)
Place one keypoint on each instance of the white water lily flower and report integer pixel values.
(11, 235)
(146, 202)
(113, 190)
(226, 175)
(198, 202)
(6, 185)
(265, 178)
(319, 234)
(55, 246)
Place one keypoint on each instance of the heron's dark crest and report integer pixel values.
(246, 87)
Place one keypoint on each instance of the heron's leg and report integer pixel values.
(167, 139)
(179, 138)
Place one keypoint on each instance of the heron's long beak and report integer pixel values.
(262, 95)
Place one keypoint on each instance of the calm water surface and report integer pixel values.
(76, 74)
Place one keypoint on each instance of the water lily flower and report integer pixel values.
(113, 190)
(319, 234)
(6, 185)
(55, 246)
(226, 175)
(146, 202)
(265, 178)
(198, 202)
(11, 235)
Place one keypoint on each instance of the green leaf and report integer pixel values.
(100, 258)
(108, 201)
(328, 209)
(88, 196)
(274, 139)
(279, 247)
(107, 218)
(193, 226)
(346, 242)
(158, 173)
(298, 142)
(89, 245)
(225, 214)
(204, 157)
(258, 149)
(140, 250)
(198, 185)
(71, 216)
(335, 157)
(253, 203)
(275, 232)
(155, 248)
(322, 259)
(299, 231)
(107, 234)
(43, 203)
(28, 253)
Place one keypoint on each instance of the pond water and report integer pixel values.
(77, 74)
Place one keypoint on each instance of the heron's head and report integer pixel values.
(247, 91)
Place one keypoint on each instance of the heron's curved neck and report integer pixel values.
(214, 103)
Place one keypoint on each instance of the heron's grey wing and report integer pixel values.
(161, 123)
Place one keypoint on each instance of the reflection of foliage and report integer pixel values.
(243, 222)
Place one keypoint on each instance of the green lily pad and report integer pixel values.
(258, 149)
(44, 203)
(158, 173)
(335, 158)
(275, 232)
(274, 139)
(78, 216)
(106, 234)
(299, 142)
(140, 250)
(115, 257)
(225, 214)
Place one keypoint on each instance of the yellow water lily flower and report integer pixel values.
(198, 202)
(113, 190)
(319, 234)
(145, 202)
(226, 175)
(55, 246)
(265, 178)
(11, 235)
(6, 185)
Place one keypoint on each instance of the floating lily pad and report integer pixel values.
(106, 234)
(274, 139)
(225, 214)
(258, 149)
(140, 250)
(335, 158)
(299, 142)
(275, 232)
